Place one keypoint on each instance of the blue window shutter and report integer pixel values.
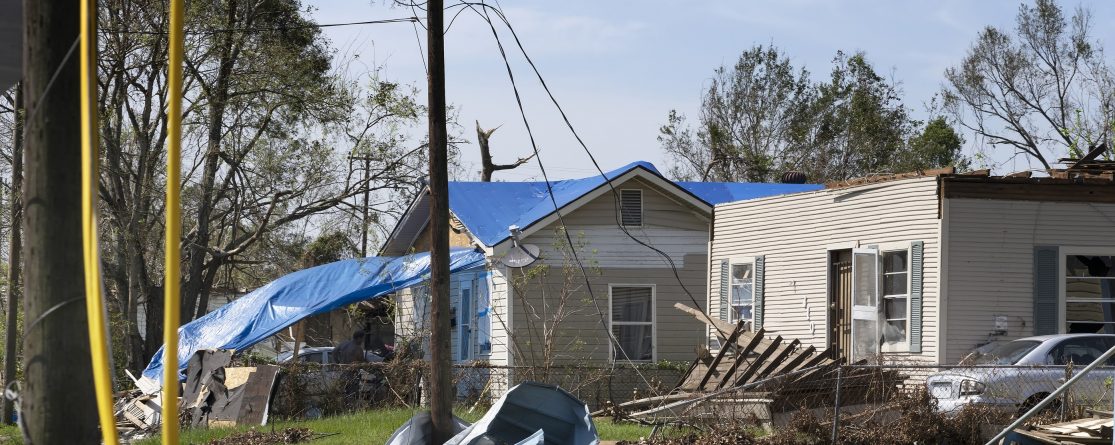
(916, 272)
(760, 288)
(1047, 317)
(724, 277)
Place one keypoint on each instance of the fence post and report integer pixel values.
(836, 404)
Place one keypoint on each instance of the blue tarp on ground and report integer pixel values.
(317, 290)
(488, 208)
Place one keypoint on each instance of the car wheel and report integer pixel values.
(1053, 406)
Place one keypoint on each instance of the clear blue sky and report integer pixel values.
(619, 67)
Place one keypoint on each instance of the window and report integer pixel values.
(631, 207)
(483, 317)
(896, 295)
(633, 322)
(1090, 294)
(742, 293)
(465, 323)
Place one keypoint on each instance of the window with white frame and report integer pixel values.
(1089, 288)
(633, 322)
(631, 207)
(742, 293)
(895, 296)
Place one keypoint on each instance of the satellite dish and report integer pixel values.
(520, 255)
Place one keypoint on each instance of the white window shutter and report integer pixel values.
(724, 279)
(760, 289)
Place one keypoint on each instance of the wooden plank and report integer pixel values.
(720, 355)
(758, 362)
(741, 357)
(720, 326)
(776, 360)
(794, 363)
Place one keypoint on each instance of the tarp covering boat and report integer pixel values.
(280, 303)
(532, 414)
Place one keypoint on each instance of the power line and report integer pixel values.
(275, 28)
(580, 141)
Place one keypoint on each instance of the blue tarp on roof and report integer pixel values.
(317, 290)
(489, 208)
(720, 192)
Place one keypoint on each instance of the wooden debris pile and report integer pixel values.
(781, 374)
(1092, 430)
(1090, 166)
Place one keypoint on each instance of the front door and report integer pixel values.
(840, 303)
(865, 304)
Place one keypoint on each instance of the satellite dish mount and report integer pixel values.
(519, 255)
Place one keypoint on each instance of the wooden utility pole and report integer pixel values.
(441, 390)
(364, 221)
(58, 403)
(14, 245)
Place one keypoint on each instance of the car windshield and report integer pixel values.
(1007, 353)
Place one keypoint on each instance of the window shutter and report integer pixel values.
(1047, 316)
(724, 277)
(760, 287)
(916, 272)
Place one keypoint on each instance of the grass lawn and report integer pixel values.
(374, 427)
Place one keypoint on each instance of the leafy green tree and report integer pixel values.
(751, 116)
(763, 116)
(1043, 90)
(936, 145)
(859, 123)
(270, 126)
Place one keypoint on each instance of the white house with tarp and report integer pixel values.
(919, 268)
(530, 305)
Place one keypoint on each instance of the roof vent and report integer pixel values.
(793, 177)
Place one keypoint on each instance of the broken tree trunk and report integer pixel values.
(487, 166)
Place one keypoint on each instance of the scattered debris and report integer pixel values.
(253, 437)
(532, 413)
(418, 430)
(214, 395)
(778, 375)
(1091, 430)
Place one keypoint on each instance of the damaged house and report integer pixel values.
(530, 305)
(919, 268)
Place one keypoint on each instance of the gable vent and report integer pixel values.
(631, 207)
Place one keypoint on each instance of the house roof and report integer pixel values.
(487, 209)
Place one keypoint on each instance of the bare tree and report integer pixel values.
(1043, 90)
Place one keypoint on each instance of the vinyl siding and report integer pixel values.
(795, 233)
(990, 265)
(610, 257)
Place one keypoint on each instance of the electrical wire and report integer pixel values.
(96, 312)
(615, 193)
(172, 243)
(557, 209)
(275, 28)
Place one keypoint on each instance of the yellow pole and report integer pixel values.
(173, 266)
(94, 302)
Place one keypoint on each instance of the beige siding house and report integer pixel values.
(918, 269)
(545, 313)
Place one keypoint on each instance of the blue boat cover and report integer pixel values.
(317, 290)
(489, 208)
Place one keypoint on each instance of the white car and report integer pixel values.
(1018, 374)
